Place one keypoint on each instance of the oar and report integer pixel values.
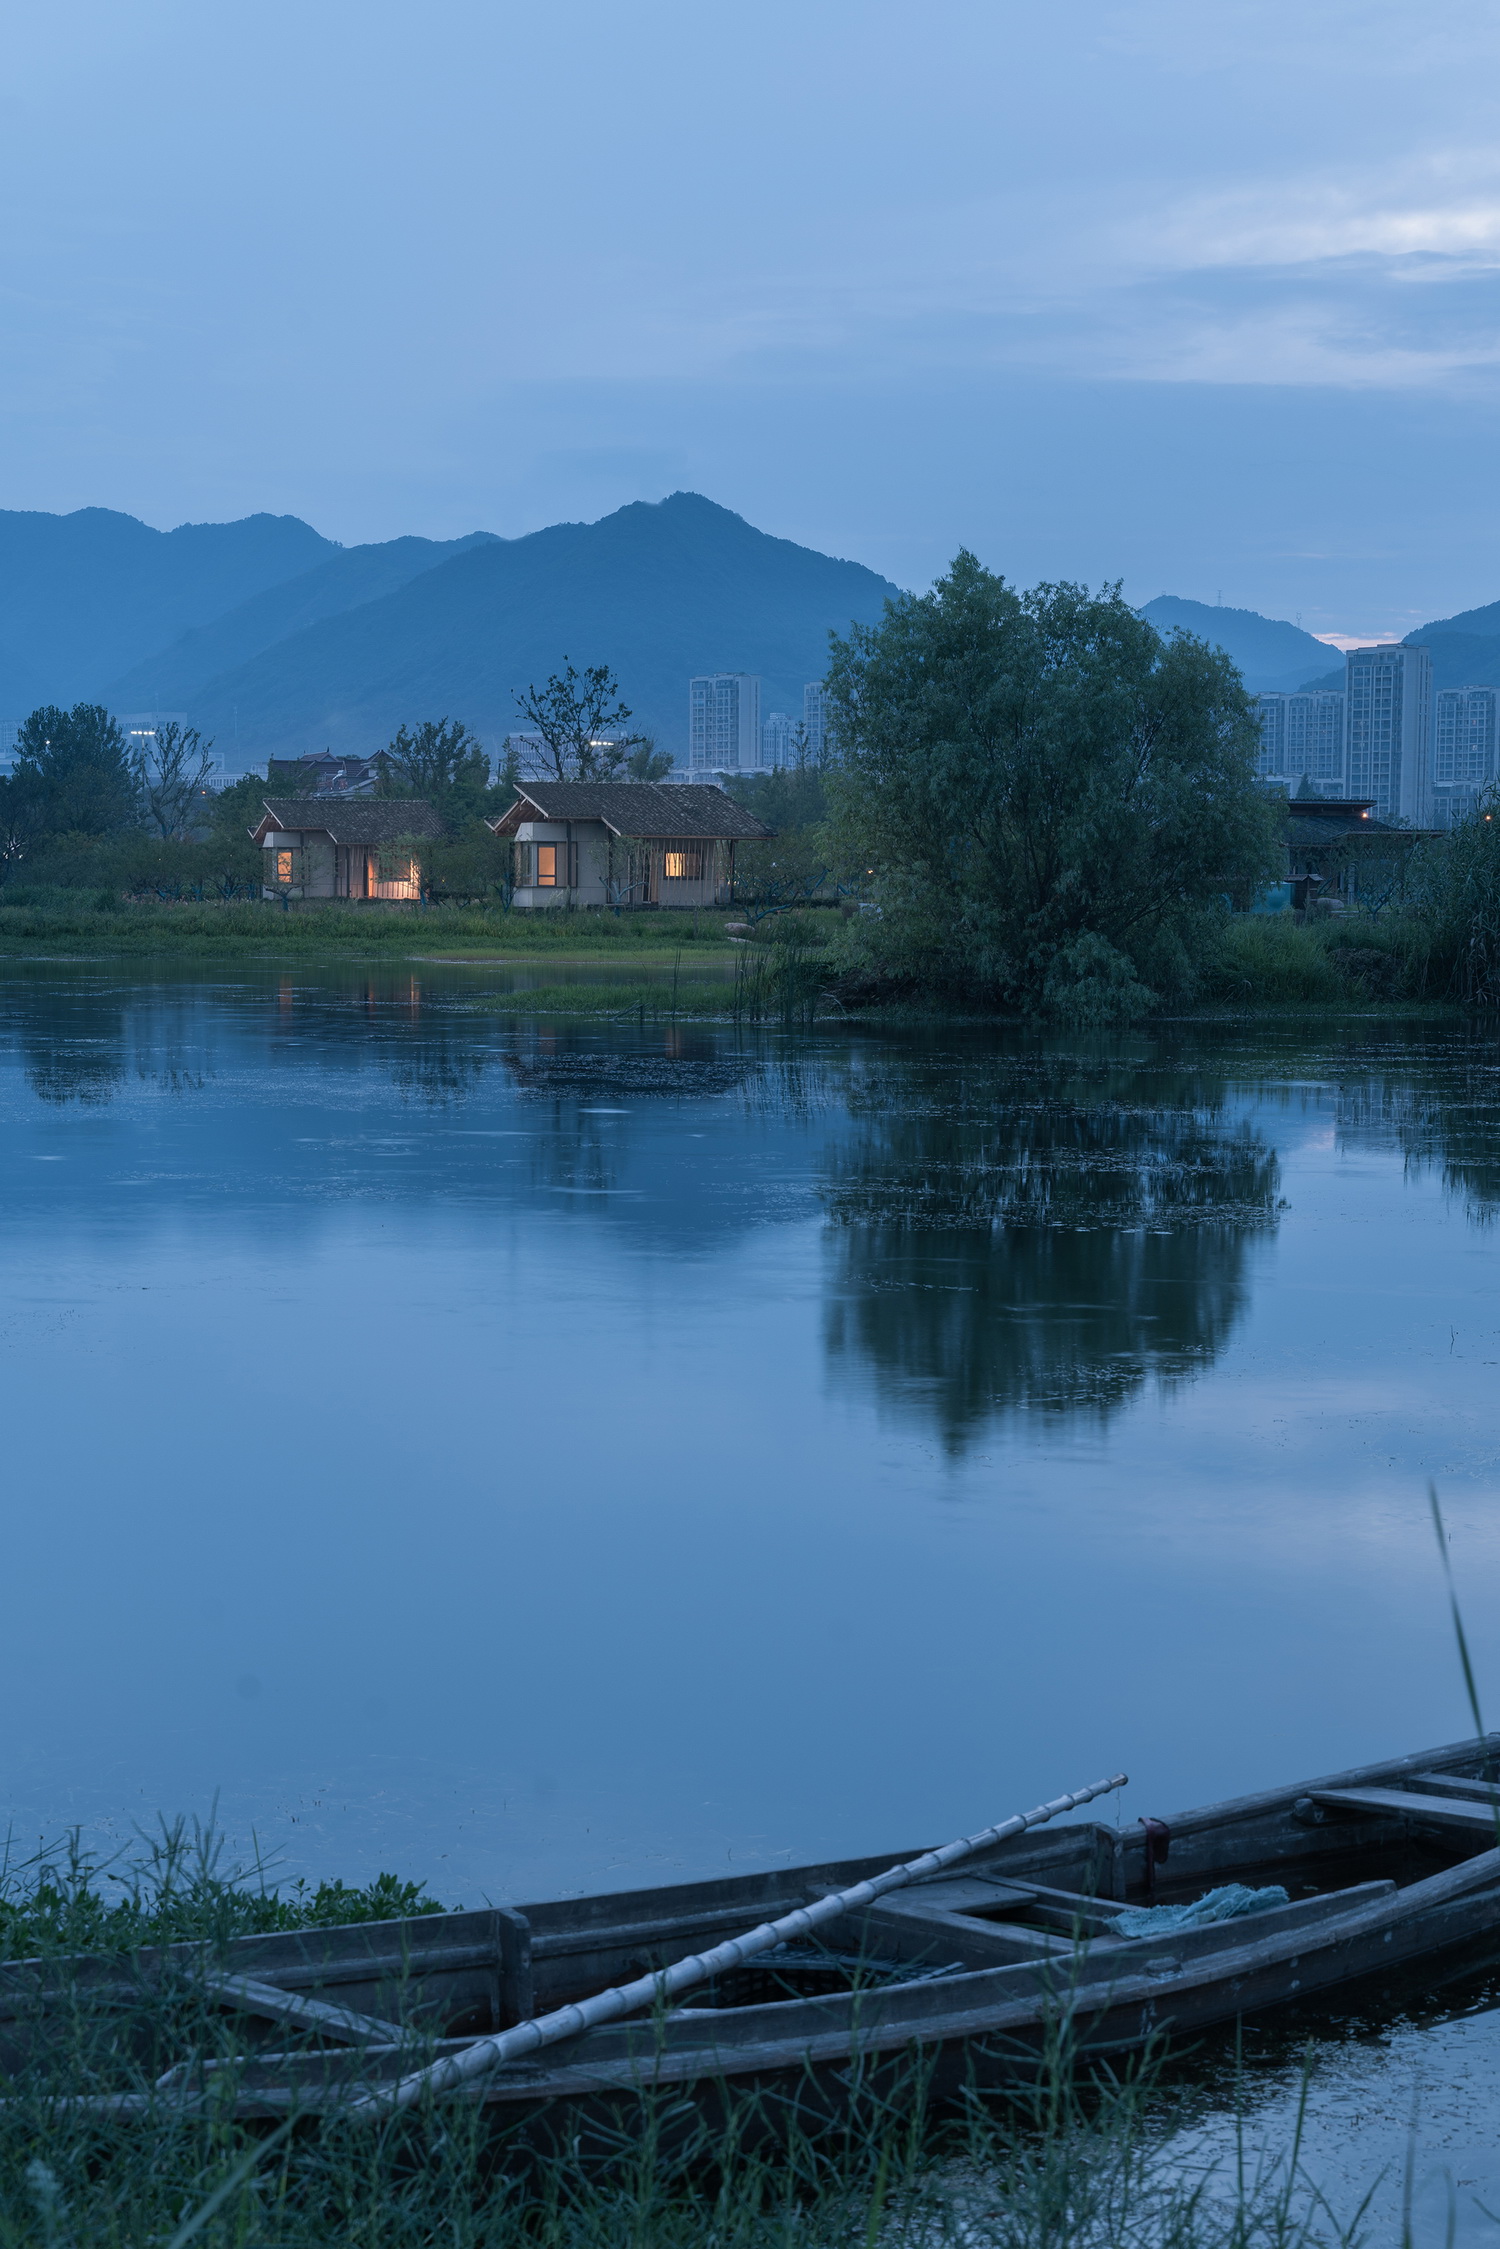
(664, 1983)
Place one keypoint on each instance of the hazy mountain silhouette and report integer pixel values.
(173, 677)
(657, 591)
(83, 596)
(1273, 655)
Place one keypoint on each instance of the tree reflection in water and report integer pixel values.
(1443, 1118)
(1035, 1234)
(73, 1051)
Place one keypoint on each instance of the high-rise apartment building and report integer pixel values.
(815, 719)
(778, 739)
(1302, 738)
(1465, 750)
(724, 722)
(1389, 730)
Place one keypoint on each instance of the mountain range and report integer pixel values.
(276, 640)
(1276, 657)
(318, 645)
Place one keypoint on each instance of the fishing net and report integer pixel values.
(1226, 1904)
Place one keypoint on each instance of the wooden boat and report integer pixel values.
(972, 1970)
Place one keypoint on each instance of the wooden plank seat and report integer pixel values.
(1444, 1784)
(1440, 1811)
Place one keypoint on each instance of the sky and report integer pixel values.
(1203, 298)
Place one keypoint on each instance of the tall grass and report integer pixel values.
(95, 922)
(1063, 2164)
(1271, 960)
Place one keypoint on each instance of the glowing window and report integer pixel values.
(683, 862)
(283, 866)
(546, 866)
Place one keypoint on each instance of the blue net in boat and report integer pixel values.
(1226, 1904)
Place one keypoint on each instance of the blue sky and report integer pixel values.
(1199, 296)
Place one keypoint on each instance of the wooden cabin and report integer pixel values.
(624, 843)
(360, 847)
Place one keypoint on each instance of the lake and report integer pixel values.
(544, 1456)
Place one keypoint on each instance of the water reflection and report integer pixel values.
(76, 1055)
(1443, 1119)
(1039, 1234)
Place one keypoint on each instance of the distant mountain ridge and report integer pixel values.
(1274, 656)
(83, 596)
(658, 591)
(177, 675)
(284, 642)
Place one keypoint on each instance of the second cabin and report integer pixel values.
(624, 843)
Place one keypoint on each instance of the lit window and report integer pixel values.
(546, 866)
(283, 866)
(683, 863)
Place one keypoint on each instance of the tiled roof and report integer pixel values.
(351, 819)
(635, 808)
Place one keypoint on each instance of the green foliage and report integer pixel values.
(778, 876)
(237, 809)
(173, 1886)
(1047, 800)
(170, 775)
(73, 775)
(789, 799)
(220, 865)
(472, 865)
(581, 724)
(77, 915)
(1454, 906)
(646, 762)
(441, 762)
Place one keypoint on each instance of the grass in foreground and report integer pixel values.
(93, 923)
(1064, 2163)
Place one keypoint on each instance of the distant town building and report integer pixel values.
(778, 739)
(815, 719)
(724, 722)
(1302, 738)
(533, 759)
(1389, 730)
(1465, 750)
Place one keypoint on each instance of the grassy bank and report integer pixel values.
(1347, 961)
(795, 969)
(94, 924)
(1064, 2163)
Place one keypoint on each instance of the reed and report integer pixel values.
(1066, 2160)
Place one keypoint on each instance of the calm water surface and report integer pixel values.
(546, 1457)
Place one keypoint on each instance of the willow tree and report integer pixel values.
(1050, 802)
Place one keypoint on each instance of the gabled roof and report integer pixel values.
(634, 808)
(347, 820)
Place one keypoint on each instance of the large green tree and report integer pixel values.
(1048, 800)
(73, 774)
(439, 761)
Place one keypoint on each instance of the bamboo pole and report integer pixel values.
(453, 2070)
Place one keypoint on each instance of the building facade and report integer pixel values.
(1302, 738)
(1465, 750)
(1389, 731)
(317, 848)
(723, 722)
(623, 843)
(778, 739)
(815, 720)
